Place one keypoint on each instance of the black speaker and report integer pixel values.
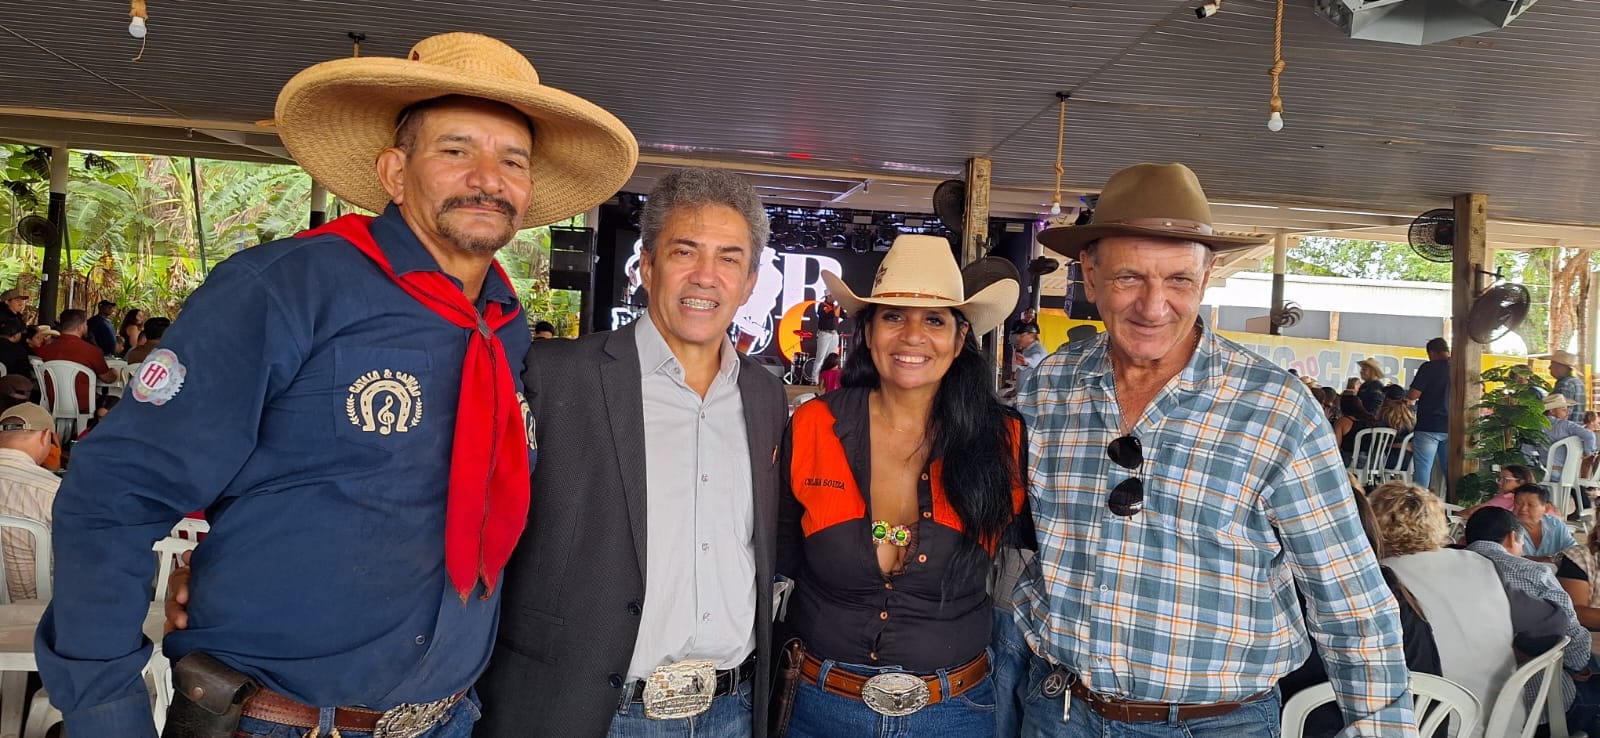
(1076, 301)
(571, 258)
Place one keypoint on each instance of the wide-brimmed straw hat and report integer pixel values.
(921, 271)
(337, 116)
(1555, 400)
(1372, 364)
(1152, 200)
(1561, 357)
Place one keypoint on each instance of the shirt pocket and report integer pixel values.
(382, 397)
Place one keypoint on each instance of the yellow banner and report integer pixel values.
(1328, 362)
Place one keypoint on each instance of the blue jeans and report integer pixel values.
(1009, 670)
(1042, 718)
(820, 714)
(457, 723)
(730, 716)
(1429, 445)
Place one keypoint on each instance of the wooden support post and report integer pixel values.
(1280, 268)
(1470, 257)
(975, 227)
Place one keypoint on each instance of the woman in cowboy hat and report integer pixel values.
(898, 488)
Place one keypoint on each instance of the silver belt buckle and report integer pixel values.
(895, 694)
(680, 690)
(412, 719)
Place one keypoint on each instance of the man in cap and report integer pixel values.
(1025, 337)
(1183, 490)
(101, 331)
(14, 303)
(1558, 410)
(27, 489)
(346, 406)
(640, 601)
(1563, 366)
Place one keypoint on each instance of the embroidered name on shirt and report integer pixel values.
(385, 402)
(816, 482)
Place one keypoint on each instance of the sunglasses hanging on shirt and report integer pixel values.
(1127, 498)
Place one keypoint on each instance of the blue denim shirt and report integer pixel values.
(314, 425)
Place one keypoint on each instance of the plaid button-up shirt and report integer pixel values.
(1193, 599)
(1538, 581)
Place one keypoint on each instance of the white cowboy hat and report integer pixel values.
(1555, 400)
(337, 116)
(1561, 357)
(921, 271)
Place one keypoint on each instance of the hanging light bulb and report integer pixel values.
(1275, 121)
(1055, 208)
(137, 14)
(1275, 105)
(1061, 137)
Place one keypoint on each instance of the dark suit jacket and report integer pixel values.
(574, 589)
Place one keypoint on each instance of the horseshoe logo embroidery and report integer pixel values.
(385, 402)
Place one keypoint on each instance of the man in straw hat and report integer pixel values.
(1563, 368)
(1180, 484)
(640, 601)
(346, 407)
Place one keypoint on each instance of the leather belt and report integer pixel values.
(408, 719)
(728, 681)
(846, 684)
(1126, 711)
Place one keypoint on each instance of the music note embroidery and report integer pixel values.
(385, 402)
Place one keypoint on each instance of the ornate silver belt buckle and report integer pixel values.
(411, 720)
(895, 694)
(681, 690)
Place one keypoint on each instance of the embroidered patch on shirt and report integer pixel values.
(160, 377)
(385, 402)
(528, 425)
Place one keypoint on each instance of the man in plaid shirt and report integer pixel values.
(1498, 536)
(1182, 488)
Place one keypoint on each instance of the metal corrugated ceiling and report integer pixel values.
(900, 93)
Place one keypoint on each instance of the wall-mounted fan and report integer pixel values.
(1288, 315)
(950, 204)
(1433, 235)
(38, 231)
(1498, 311)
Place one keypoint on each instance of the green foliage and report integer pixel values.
(132, 236)
(1509, 418)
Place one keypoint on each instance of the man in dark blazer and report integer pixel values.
(578, 636)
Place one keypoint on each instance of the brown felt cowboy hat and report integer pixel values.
(1152, 200)
(337, 116)
(921, 271)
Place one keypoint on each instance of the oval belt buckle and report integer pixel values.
(895, 694)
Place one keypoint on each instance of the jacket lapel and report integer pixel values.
(621, 385)
(762, 429)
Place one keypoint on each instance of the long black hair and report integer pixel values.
(968, 431)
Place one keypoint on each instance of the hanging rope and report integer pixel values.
(1061, 137)
(355, 40)
(1276, 105)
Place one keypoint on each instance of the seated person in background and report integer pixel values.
(1353, 418)
(153, 330)
(1544, 534)
(13, 352)
(15, 389)
(1510, 477)
(1497, 535)
(544, 329)
(27, 489)
(106, 403)
(1577, 569)
(1558, 408)
(71, 346)
(830, 374)
(1396, 412)
(36, 336)
(1477, 623)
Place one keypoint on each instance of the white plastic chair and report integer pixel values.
(58, 384)
(169, 551)
(190, 529)
(38, 366)
(1510, 708)
(42, 553)
(1400, 470)
(1435, 700)
(119, 368)
(126, 374)
(1370, 454)
(1563, 483)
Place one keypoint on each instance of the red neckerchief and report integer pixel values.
(489, 484)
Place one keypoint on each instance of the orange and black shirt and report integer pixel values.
(843, 606)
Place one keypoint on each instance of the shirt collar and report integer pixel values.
(656, 356)
(20, 456)
(407, 254)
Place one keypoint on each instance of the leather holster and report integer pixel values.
(207, 698)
